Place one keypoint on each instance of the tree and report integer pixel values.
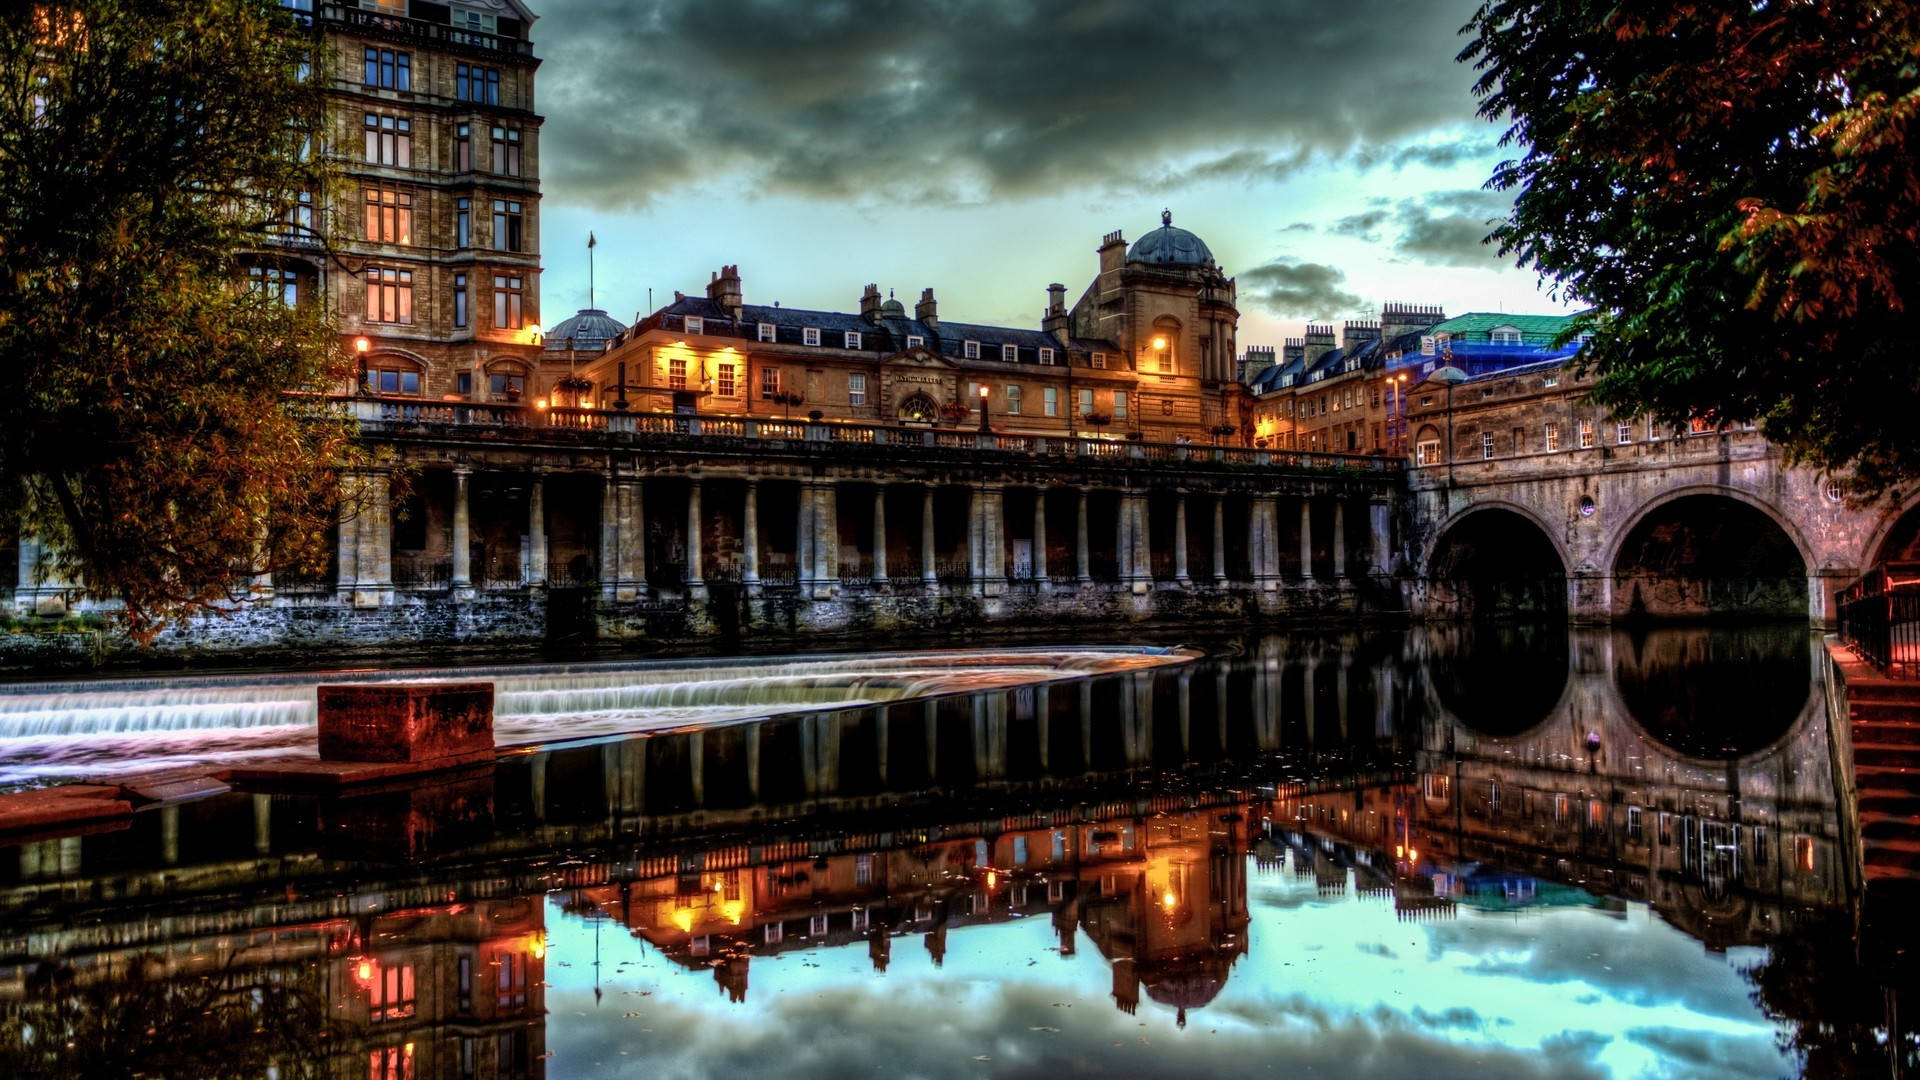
(149, 427)
(1730, 184)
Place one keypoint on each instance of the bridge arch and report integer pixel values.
(1896, 538)
(1709, 551)
(1495, 560)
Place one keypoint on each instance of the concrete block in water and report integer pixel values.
(410, 722)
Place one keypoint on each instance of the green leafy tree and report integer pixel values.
(1733, 185)
(150, 425)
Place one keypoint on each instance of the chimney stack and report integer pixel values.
(1397, 320)
(1319, 342)
(1055, 320)
(870, 304)
(1357, 332)
(1255, 360)
(926, 311)
(724, 291)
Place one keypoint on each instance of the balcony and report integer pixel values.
(415, 31)
(694, 431)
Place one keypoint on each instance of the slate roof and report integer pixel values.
(888, 335)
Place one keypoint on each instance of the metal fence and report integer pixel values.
(1880, 618)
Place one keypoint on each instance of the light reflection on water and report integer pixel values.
(1374, 856)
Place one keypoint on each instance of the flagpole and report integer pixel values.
(590, 245)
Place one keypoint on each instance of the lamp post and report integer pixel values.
(360, 347)
(983, 409)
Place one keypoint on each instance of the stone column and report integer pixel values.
(1040, 538)
(1142, 545)
(928, 572)
(804, 566)
(373, 536)
(826, 540)
(463, 535)
(623, 557)
(975, 570)
(750, 540)
(993, 538)
(1220, 539)
(1306, 539)
(880, 534)
(537, 529)
(1339, 539)
(1379, 536)
(1263, 531)
(1083, 562)
(1180, 538)
(696, 563)
(1123, 537)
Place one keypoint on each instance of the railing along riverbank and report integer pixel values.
(1879, 618)
(517, 417)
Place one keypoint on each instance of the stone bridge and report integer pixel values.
(1714, 524)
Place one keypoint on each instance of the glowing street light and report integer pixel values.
(983, 408)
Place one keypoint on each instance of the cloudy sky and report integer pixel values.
(1327, 153)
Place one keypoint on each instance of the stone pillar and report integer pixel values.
(803, 541)
(372, 582)
(1339, 539)
(1220, 539)
(1379, 536)
(1142, 545)
(991, 504)
(1263, 533)
(629, 555)
(1180, 538)
(928, 572)
(463, 534)
(826, 540)
(1040, 538)
(696, 562)
(1123, 537)
(880, 534)
(1306, 539)
(750, 540)
(1083, 562)
(975, 568)
(537, 529)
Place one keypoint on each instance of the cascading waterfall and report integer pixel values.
(65, 730)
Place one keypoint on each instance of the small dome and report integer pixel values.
(589, 331)
(893, 309)
(1168, 246)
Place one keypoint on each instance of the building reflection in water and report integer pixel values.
(407, 938)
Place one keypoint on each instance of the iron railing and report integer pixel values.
(1879, 618)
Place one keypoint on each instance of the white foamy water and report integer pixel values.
(54, 731)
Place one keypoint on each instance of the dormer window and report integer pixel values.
(1550, 382)
(853, 339)
(810, 335)
(1506, 335)
(1046, 356)
(915, 341)
(970, 350)
(1010, 353)
(766, 331)
(1098, 360)
(696, 325)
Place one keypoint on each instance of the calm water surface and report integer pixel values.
(1446, 853)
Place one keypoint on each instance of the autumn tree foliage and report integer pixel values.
(151, 429)
(1735, 187)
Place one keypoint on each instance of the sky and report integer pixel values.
(1328, 153)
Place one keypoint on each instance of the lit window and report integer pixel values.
(1119, 405)
(856, 389)
(389, 140)
(506, 302)
(1009, 354)
(766, 331)
(724, 383)
(1427, 452)
(769, 383)
(1486, 445)
(677, 373)
(389, 216)
(1553, 437)
(970, 350)
(1098, 360)
(389, 295)
(1050, 401)
(1013, 400)
(810, 335)
(1587, 438)
(1046, 356)
(506, 151)
(1803, 853)
(852, 339)
(390, 997)
(696, 324)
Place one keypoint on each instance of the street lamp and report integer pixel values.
(983, 408)
(360, 347)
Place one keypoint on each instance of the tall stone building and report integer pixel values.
(434, 222)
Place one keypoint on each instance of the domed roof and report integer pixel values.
(1168, 246)
(893, 309)
(590, 330)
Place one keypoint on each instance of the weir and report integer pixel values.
(52, 731)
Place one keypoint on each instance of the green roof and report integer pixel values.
(1477, 325)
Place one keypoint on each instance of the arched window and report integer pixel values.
(919, 408)
(1426, 446)
(391, 374)
(506, 381)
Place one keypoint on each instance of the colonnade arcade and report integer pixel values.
(467, 528)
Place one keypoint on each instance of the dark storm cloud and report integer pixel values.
(1451, 227)
(1292, 289)
(896, 100)
(1364, 225)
